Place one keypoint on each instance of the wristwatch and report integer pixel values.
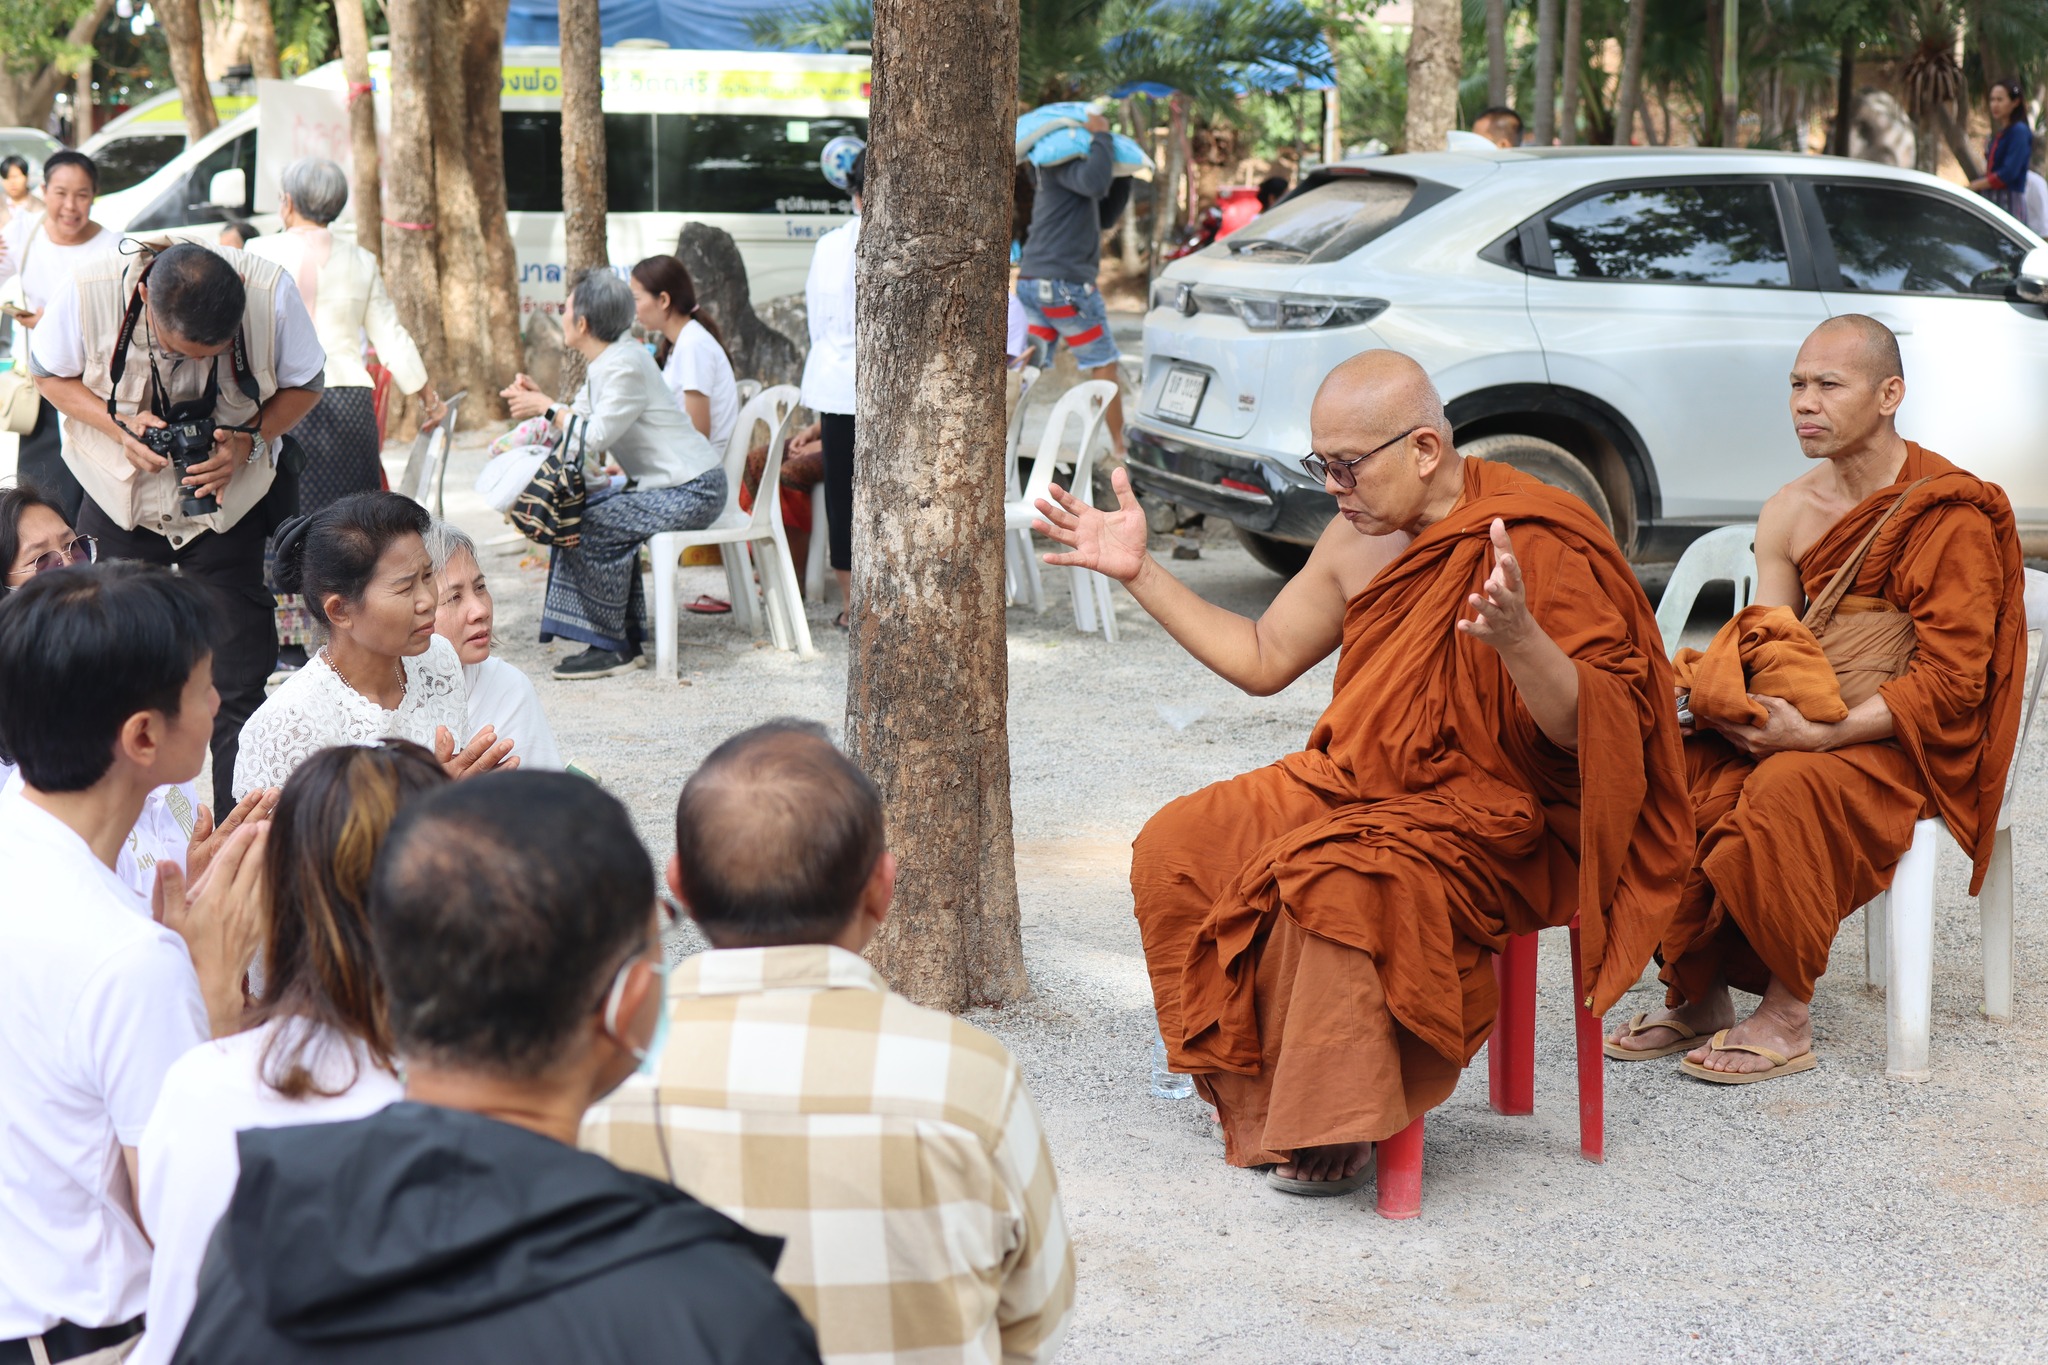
(549, 416)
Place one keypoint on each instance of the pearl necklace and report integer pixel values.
(328, 655)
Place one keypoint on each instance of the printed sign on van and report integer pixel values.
(295, 120)
(632, 83)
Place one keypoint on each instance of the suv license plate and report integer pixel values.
(1181, 398)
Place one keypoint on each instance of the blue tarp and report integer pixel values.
(719, 25)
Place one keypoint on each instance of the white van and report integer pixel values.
(145, 138)
(729, 139)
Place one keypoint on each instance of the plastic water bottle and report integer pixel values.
(1167, 1085)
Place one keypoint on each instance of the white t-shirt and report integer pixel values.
(314, 709)
(502, 696)
(162, 833)
(97, 1000)
(828, 305)
(698, 362)
(189, 1162)
(49, 266)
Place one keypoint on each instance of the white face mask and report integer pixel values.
(649, 1057)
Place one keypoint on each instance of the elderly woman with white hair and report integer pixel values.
(500, 696)
(674, 481)
(343, 289)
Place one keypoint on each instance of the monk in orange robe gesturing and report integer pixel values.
(1801, 822)
(1501, 752)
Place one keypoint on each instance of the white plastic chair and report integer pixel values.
(735, 532)
(426, 465)
(1898, 927)
(747, 390)
(1088, 404)
(816, 562)
(1725, 555)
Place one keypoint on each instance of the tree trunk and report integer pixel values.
(1845, 96)
(1132, 248)
(411, 269)
(1944, 118)
(1434, 58)
(261, 28)
(1166, 187)
(1496, 52)
(458, 236)
(1543, 127)
(26, 96)
(1711, 132)
(1729, 78)
(1569, 59)
(583, 227)
(365, 165)
(1628, 96)
(483, 76)
(183, 34)
(927, 679)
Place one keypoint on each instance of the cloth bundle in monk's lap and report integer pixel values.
(1764, 651)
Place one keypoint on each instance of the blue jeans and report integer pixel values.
(1061, 310)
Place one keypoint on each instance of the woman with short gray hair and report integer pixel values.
(344, 291)
(664, 477)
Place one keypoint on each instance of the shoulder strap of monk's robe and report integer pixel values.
(1965, 772)
(1636, 835)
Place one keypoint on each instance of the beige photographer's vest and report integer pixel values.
(150, 502)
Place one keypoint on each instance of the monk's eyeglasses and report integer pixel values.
(1344, 473)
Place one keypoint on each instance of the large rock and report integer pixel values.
(758, 349)
(1882, 131)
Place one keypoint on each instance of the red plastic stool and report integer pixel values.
(1511, 1075)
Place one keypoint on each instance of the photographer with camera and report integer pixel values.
(178, 372)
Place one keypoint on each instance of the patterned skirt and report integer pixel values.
(339, 437)
(594, 593)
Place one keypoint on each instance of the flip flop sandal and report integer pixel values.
(707, 605)
(1687, 1041)
(1780, 1064)
(1322, 1189)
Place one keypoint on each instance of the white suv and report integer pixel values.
(1619, 322)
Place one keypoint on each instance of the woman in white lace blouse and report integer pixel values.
(361, 565)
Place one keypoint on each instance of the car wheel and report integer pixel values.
(1547, 461)
(1283, 557)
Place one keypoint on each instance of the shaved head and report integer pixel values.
(1387, 391)
(1875, 348)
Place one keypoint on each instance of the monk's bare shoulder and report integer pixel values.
(1798, 514)
(1351, 559)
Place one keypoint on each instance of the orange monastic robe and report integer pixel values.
(1317, 931)
(1792, 844)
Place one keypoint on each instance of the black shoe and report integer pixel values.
(599, 663)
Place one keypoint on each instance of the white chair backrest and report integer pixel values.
(1726, 555)
(1026, 378)
(778, 410)
(747, 389)
(770, 407)
(2037, 619)
(1086, 403)
(427, 462)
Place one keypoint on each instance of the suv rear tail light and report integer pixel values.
(1265, 311)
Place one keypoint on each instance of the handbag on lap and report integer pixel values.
(549, 510)
(1868, 641)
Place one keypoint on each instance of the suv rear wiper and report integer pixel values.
(1239, 247)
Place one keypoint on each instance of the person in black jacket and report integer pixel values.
(516, 928)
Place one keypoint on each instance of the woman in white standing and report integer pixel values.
(698, 371)
(343, 290)
(499, 695)
(362, 566)
(40, 254)
(317, 1049)
(828, 378)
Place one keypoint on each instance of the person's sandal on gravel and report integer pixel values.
(1687, 1041)
(598, 663)
(1780, 1064)
(1320, 1189)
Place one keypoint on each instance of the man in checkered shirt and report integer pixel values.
(893, 1146)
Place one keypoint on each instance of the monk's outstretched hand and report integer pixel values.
(1110, 543)
(1500, 609)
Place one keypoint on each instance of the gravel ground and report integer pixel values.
(1833, 1216)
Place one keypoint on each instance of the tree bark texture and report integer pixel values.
(1434, 60)
(448, 253)
(1543, 126)
(366, 166)
(1628, 95)
(1569, 58)
(1845, 97)
(583, 200)
(1496, 52)
(927, 682)
(411, 267)
(184, 35)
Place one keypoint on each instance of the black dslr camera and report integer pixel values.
(185, 442)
